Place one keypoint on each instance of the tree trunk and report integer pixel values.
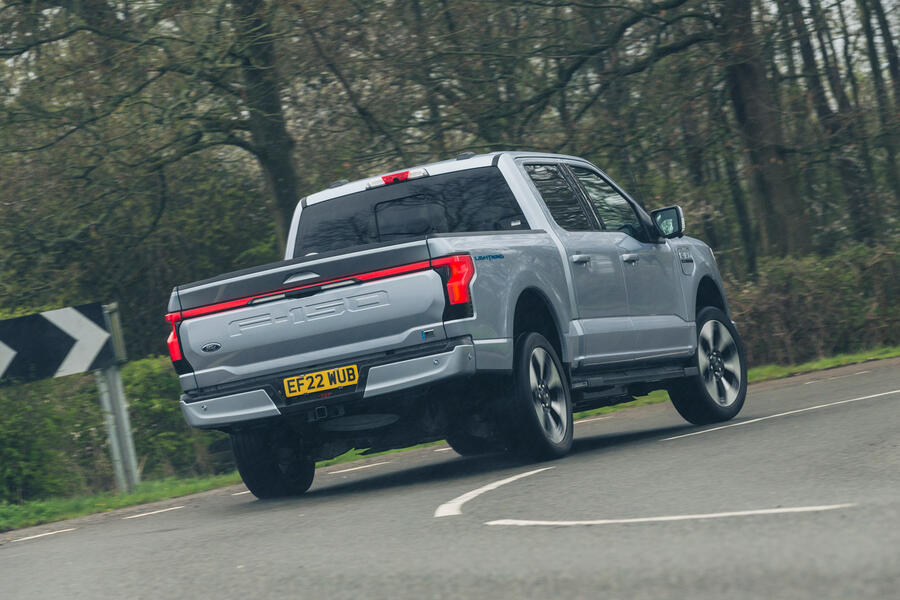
(889, 48)
(273, 145)
(741, 211)
(887, 134)
(840, 131)
(784, 220)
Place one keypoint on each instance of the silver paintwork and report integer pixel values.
(234, 408)
(613, 298)
(418, 371)
(333, 325)
(493, 354)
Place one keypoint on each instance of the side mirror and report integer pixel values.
(669, 221)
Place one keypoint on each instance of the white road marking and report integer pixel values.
(592, 420)
(721, 515)
(443, 449)
(836, 377)
(784, 414)
(241, 493)
(153, 512)
(454, 507)
(358, 468)
(40, 535)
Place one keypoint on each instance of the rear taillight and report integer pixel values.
(457, 273)
(462, 270)
(182, 366)
(172, 340)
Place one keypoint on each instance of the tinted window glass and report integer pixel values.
(464, 201)
(614, 210)
(559, 197)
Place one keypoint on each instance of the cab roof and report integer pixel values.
(435, 168)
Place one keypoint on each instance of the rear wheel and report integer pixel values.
(718, 391)
(541, 400)
(269, 470)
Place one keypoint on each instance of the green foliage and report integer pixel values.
(53, 439)
(165, 445)
(800, 308)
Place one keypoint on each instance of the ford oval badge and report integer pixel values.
(211, 347)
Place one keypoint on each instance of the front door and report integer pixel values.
(652, 274)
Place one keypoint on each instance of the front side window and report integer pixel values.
(560, 198)
(615, 211)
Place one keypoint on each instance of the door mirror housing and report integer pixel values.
(669, 221)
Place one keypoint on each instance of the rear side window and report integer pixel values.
(459, 202)
(560, 198)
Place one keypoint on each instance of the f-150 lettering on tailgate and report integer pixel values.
(310, 311)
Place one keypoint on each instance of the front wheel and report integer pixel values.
(718, 390)
(541, 400)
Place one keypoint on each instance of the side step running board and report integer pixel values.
(587, 381)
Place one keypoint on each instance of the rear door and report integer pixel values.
(593, 261)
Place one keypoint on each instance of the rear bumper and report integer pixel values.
(217, 411)
(234, 408)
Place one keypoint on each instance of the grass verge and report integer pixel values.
(16, 516)
(767, 372)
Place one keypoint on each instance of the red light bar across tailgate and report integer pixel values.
(461, 267)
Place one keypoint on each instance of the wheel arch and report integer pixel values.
(710, 293)
(534, 312)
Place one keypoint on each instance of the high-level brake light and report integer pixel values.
(396, 178)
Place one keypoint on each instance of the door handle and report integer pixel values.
(580, 259)
(631, 258)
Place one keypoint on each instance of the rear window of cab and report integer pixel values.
(458, 202)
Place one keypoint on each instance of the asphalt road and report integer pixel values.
(797, 505)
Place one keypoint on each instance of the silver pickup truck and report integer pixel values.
(480, 300)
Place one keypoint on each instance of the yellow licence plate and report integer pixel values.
(321, 381)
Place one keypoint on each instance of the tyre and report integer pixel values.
(718, 391)
(541, 411)
(267, 470)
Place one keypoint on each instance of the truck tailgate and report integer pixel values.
(296, 315)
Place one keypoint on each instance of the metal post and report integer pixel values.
(111, 432)
(115, 393)
(114, 326)
(123, 425)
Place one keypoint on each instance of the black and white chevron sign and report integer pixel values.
(54, 343)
